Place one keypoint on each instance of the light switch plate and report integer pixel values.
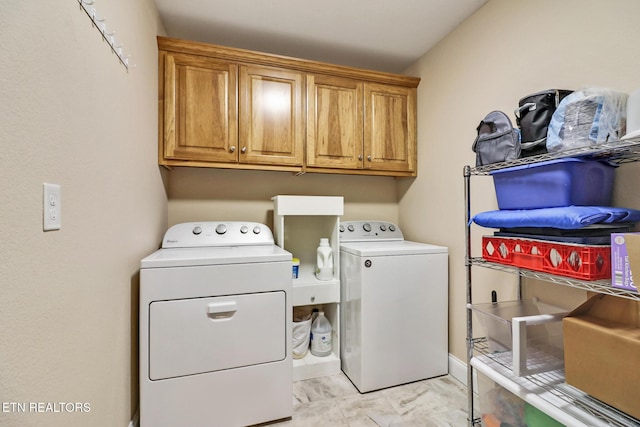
(51, 207)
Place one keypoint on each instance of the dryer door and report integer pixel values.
(198, 335)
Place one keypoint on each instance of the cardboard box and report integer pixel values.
(602, 350)
(625, 257)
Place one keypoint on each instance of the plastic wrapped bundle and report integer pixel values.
(587, 117)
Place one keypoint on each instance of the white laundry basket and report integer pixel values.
(301, 331)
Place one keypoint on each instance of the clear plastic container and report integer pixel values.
(527, 333)
(498, 406)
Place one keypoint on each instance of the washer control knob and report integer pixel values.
(256, 230)
(383, 227)
(197, 230)
(244, 229)
(350, 227)
(392, 227)
(221, 229)
(341, 228)
(366, 227)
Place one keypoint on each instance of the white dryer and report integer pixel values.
(215, 328)
(394, 306)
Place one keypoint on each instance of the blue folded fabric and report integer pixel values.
(567, 217)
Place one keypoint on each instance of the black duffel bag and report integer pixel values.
(497, 140)
(533, 116)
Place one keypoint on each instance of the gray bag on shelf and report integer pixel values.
(497, 140)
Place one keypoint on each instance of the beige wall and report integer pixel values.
(70, 114)
(508, 49)
(210, 194)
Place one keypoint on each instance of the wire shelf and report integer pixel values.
(618, 152)
(551, 387)
(546, 390)
(599, 286)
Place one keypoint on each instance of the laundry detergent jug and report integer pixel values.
(321, 336)
(324, 266)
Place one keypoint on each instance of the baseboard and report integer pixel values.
(135, 421)
(457, 369)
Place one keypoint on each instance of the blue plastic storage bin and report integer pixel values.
(561, 182)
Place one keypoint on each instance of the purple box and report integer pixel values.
(625, 252)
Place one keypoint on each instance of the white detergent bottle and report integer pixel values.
(324, 263)
(321, 336)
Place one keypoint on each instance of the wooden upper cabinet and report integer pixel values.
(208, 118)
(359, 125)
(271, 116)
(334, 122)
(233, 108)
(390, 128)
(200, 114)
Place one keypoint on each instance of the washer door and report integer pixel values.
(199, 335)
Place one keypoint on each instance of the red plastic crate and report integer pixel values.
(584, 262)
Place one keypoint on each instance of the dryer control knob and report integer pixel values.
(341, 228)
(367, 227)
(350, 227)
(221, 229)
(244, 229)
(392, 227)
(383, 227)
(256, 230)
(197, 230)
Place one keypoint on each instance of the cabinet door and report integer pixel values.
(271, 116)
(389, 127)
(200, 109)
(334, 122)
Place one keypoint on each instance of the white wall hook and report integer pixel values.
(107, 35)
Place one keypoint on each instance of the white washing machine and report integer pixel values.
(215, 328)
(394, 306)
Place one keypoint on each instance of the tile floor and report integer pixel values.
(334, 402)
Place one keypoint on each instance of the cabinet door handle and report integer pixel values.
(244, 149)
(359, 156)
(232, 148)
(369, 157)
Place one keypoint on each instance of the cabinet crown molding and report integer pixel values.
(242, 55)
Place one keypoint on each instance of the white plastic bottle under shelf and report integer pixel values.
(321, 336)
